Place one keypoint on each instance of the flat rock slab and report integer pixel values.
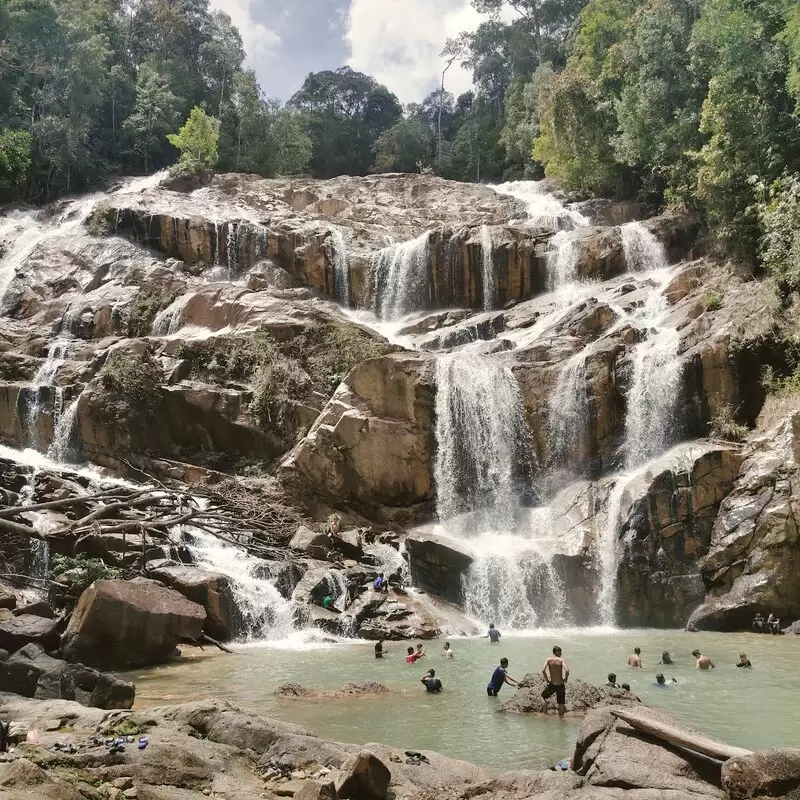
(17, 632)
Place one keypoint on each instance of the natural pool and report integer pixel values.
(755, 708)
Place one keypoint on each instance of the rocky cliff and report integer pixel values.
(293, 332)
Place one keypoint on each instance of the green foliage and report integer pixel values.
(780, 244)
(81, 571)
(130, 397)
(15, 159)
(724, 425)
(102, 221)
(149, 300)
(712, 301)
(403, 146)
(198, 141)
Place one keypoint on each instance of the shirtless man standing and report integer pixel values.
(635, 659)
(703, 662)
(556, 679)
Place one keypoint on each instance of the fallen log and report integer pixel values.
(695, 742)
(204, 637)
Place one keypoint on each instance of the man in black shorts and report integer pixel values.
(556, 673)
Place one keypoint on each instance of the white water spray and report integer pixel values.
(60, 447)
(608, 552)
(643, 252)
(568, 413)
(341, 267)
(542, 208)
(487, 262)
(399, 277)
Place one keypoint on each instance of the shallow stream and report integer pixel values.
(749, 708)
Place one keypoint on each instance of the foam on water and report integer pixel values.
(541, 207)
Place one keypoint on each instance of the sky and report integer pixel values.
(396, 41)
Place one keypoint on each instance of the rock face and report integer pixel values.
(212, 590)
(32, 673)
(770, 773)
(754, 556)
(667, 532)
(19, 631)
(582, 697)
(123, 624)
(363, 775)
(371, 446)
(438, 564)
(610, 753)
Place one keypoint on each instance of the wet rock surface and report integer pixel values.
(581, 697)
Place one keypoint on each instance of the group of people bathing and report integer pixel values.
(555, 670)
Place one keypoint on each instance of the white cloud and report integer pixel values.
(260, 42)
(399, 41)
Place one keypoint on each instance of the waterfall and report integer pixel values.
(168, 320)
(542, 208)
(341, 267)
(650, 418)
(60, 449)
(217, 239)
(264, 612)
(643, 252)
(399, 277)
(232, 243)
(568, 412)
(44, 378)
(608, 552)
(40, 560)
(480, 425)
(487, 251)
(562, 266)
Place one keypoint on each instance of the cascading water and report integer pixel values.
(480, 423)
(568, 412)
(168, 321)
(642, 250)
(608, 553)
(61, 448)
(487, 262)
(650, 421)
(341, 267)
(399, 277)
(264, 612)
(542, 208)
(44, 378)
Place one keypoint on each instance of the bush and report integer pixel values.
(780, 242)
(102, 221)
(82, 571)
(274, 386)
(131, 384)
(724, 425)
(712, 301)
(146, 305)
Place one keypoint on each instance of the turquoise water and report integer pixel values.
(750, 708)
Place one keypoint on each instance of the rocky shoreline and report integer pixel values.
(211, 748)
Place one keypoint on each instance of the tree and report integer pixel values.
(155, 113)
(15, 159)
(198, 141)
(291, 145)
(403, 147)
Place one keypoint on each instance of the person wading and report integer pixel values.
(556, 673)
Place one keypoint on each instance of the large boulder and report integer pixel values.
(371, 447)
(768, 773)
(19, 631)
(754, 556)
(124, 624)
(437, 563)
(32, 673)
(581, 698)
(610, 753)
(310, 543)
(363, 776)
(212, 590)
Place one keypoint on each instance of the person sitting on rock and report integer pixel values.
(773, 624)
(612, 681)
(327, 604)
(666, 658)
(499, 677)
(492, 634)
(635, 658)
(703, 662)
(447, 651)
(380, 584)
(758, 623)
(432, 684)
(744, 661)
